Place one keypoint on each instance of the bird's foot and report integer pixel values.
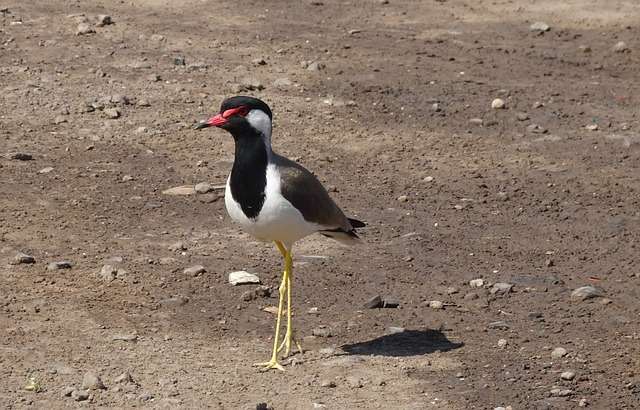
(271, 364)
(286, 345)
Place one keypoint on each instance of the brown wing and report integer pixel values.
(306, 193)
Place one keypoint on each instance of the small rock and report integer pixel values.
(108, 273)
(315, 66)
(45, 170)
(435, 107)
(390, 303)
(59, 120)
(124, 378)
(177, 246)
(321, 331)
(536, 129)
(143, 103)
(471, 296)
(592, 127)
(258, 61)
(282, 82)
(84, 28)
(403, 198)
(558, 352)
(620, 47)
(565, 393)
(522, 116)
(502, 196)
(203, 187)
(502, 343)
(194, 270)
(428, 179)
(585, 292)
(156, 37)
(476, 283)
(67, 391)
(20, 156)
(179, 60)
(476, 121)
(374, 303)
(112, 113)
(539, 26)
(567, 375)
(80, 395)
(259, 292)
(395, 329)
(354, 382)
(104, 20)
(498, 104)
(242, 277)
(127, 178)
(313, 311)
(180, 190)
(91, 381)
(583, 403)
(328, 383)
(23, 258)
(502, 325)
(59, 265)
(501, 288)
(251, 84)
(436, 304)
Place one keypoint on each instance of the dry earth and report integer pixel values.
(390, 104)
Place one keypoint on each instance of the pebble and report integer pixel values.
(436, 304)
(23, 258)
(585, 292)
(112, 113)
(498, 104)
(194, 270)
(258, 61)
(282, 82)
(592, 127)
(124, 378)
(203, 187)
(20, 156)
(390, 303)
(108, 273)
(180, 190)
(242, 277)
(45, 170)
(428, 179)
(67, 391)
(59, 265)
(536, 129)
(104, 20)
(322, 331)
(328, 383)
(476, 121)
(471, 296)
(567, 375)
(558, 352)
(394, 329)
(502, 343)
(403, 198)
(583, 403)
(502, 196)
(127, 178)
(502, 325)
(251, 84)
(315, 66)
(177, 246)
(522, 116)
(259, 292)
(620, 47)
(80, 395)
(179, 60)
(84, 28)
(476, 283)
(374, 303)
(143, 103)
(157, 37)
(436, 107)
(59, 120)
(501, 288)
(91, 381)
(539, 26)
(354, 382)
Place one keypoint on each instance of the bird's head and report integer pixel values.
(242, 116)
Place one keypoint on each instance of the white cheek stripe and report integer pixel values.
(262, 123)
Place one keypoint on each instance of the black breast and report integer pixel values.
(248, 175)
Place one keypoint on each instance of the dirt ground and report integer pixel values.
(390, 104)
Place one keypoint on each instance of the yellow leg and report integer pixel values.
(288, 338)
(273, 363)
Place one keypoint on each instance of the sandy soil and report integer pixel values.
(396, 118)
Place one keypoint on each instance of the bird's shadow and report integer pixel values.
(407, 343)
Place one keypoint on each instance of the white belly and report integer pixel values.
(278, 220)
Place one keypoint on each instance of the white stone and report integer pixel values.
(476, 283)
(242, 277)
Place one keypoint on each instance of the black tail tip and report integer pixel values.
(356, 223)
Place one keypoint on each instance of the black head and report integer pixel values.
(241, 115)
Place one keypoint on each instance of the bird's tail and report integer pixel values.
(346, 237)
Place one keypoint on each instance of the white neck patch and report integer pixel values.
(262, 123)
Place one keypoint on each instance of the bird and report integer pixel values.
(275, 199)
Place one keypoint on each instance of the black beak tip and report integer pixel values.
(200, 125)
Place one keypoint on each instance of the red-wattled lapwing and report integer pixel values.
(274, 198)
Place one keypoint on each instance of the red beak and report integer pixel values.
(215, 121)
